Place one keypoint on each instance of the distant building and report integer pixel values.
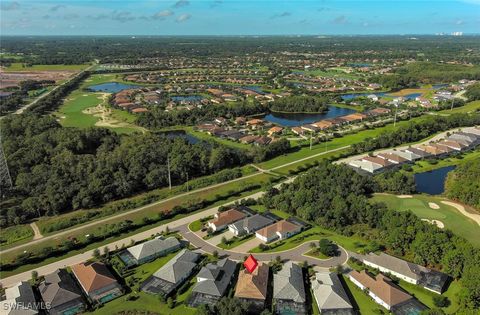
(330, 295)
(213, 281)
(252, 287)
(169, 277)
(19, 300)
(97, 282)
(60, 291)
(289, 291)
(149, 250)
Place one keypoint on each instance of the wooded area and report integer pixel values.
(463, 184)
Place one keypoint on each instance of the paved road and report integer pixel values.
(295, 254)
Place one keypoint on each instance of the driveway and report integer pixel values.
(217, 239)
(248, 245)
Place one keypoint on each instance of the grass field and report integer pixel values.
(147, 302)
(424, 166)
(236, 241)
(453, 220)
(315, 233)
(18, 66)
(15, 234)
(470, 107)
(364, 303)
(205, 136)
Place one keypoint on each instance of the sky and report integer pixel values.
(233, 17)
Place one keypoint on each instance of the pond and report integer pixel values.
(439, 86)
(432, 182)
(181, 134)
(187, 98)
(112, 87)
(298, 119)
(254, 88)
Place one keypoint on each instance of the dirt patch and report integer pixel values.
(436, 222)
(433, 205)
(459, 207)
(404, 196)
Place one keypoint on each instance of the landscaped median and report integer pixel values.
(235, 241)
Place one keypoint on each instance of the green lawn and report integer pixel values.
(352, 243)
(425, 166)
(236, 241)
(316, 254)
(147, 302)
(365, 304)
(15, 234)
(205, 136)
(453, 220)
(18, 66)
(196, 226)
(470, 107)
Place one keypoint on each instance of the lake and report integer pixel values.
(298, 119)
(432, 182)
(181, 134)
(254, 88)
(187, 98)
(112, 87)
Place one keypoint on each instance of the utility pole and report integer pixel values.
(187, 181)
(169, 176)
(311, 137)
(5, 178)
(451, 108)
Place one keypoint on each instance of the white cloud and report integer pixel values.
(183, 18)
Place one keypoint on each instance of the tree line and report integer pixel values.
(336, 197)
(463, 184)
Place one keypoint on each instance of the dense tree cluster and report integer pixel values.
(57, 169)
(473, 92)
(416, 131)
(300, 104)
(395, 182)
(335, 196)
(159, 118)
(463, 183)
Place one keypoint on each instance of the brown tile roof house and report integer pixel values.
(248, 139)
(380, 288)
(223, 219)
(323, 124)
(263, 140)
(454, 144)
(140, 110)
(354, 117)
(274, 130)
(282, 229)
(432, 149)
(252, 287)
(379, 111)
(377, 160)
(392, 157)
(298, 130)
(254, 122)
(97, 281)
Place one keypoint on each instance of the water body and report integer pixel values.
(298, 119)
(187, 98)
(432, 182)
(359, 65)
(439, 86)
(181, 134)
(254, 88)
(112, 87)
(350, 96)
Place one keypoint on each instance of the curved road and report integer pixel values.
(295, 254)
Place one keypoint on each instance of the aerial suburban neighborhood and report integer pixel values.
(183, 157)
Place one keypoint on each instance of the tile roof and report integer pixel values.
(329, 292)
(227, 217)
(177, 267)
(253, 285)
(218, 277)
(59, 288)
(382, 287)
(152, 247)
(93, 276)
(19, 299)
(282, 226)
(288, 283)
(252, 224)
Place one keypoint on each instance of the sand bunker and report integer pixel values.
(433, 205)
(459, 207)
(436, 222)
(404, 196)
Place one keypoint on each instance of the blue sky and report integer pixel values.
(230, 17)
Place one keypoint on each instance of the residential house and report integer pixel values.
(149, 250)
(248, 139)
(386, 293)
(213, 281)
(97, 282)
(279, 230)
(354, 117)
(418, 151)
(367, 166)
(454, 145)
(169, 277)
(220, 121)
(472, 138)
(429, 279)
(392, 157)
(330, 295)
(223, 219)
(240, 120)
(262, 140)
(275, 131)
(432, 149)
(378, 111)
(255, 123)
(19, 300)
(289, 291)
(377, 160)
(249, 225)
(298, 130)
(60, 291)
(410, 156)
(310, 128)
(252, 287)
(323, 124)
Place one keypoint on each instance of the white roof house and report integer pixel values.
(366, 166)
(330, 295)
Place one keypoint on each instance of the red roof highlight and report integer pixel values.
(250, 264)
